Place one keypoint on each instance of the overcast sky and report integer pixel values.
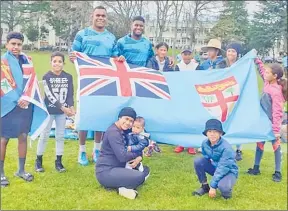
(252, 6)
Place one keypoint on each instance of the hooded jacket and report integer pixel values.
(222, 156)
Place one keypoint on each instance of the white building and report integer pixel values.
(183, 36)
(50, 40)
(150, 32)
(280, 47)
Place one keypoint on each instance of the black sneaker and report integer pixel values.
(238, 156)
(201, 191)
(227, 197)
(149, 152)
(253, 171)
(38, 166)
(59, 167)
(156, 148)
(277, 177)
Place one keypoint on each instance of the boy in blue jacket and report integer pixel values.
(137, 140)
(218, 160)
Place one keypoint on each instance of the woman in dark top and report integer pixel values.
(110, 166)
(232, 55)
(160, 61)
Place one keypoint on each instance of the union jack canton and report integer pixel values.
(109, 77)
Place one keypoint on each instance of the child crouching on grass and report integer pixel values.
(218, 160)
(58, 87)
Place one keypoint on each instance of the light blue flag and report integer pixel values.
(16, 85)
(230, 95)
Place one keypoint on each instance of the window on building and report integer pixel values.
(151, 39)
(183, 40)
(183, 30)
(167, 41)
(178, 41)
(179, 30)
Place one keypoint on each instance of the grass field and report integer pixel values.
(169, 186)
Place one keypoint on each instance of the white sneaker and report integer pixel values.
(141, 168)
(127, 193)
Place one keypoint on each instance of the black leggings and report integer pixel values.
(122, 177)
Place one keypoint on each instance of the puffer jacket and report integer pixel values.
(137, 142)
(153, 63)
(222, 156)
(208, 64)
(272, 100)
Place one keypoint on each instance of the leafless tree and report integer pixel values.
(195, 14)
(68, 17)
(80, 11)
(177, 7)
(12, 14)
(84, 10)
(163, 15)
(123, 12)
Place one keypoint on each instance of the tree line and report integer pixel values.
(263, 32)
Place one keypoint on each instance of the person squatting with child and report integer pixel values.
(111, 168)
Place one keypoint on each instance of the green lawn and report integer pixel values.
(169, 186)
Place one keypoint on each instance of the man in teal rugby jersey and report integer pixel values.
(94, 40)
(134, 47)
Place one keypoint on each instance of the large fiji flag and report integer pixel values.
(11, 93)
(175, 105)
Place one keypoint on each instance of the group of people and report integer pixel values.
(118, 152)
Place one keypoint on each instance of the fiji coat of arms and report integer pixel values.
(7, 80)
(219, 98)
